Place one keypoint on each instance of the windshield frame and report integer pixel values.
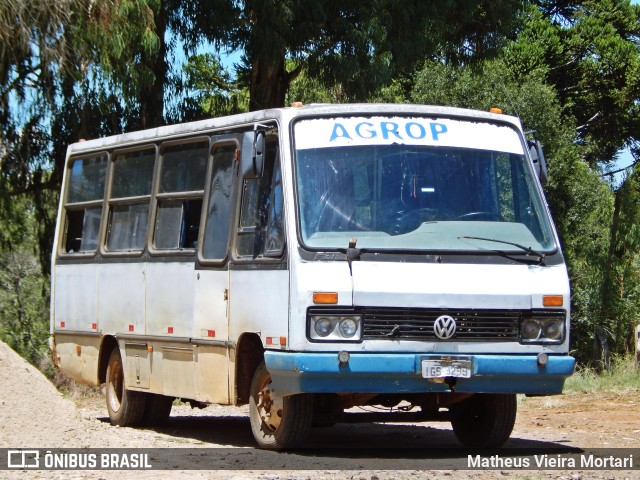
(483, 250)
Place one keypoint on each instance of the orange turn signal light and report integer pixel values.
(495, 110)
(552, 300)
(325, 298)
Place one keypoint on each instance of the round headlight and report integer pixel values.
(530, 329)
(323, 327)
(348, 327)
(553, 329)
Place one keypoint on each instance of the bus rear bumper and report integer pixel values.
(296, 372)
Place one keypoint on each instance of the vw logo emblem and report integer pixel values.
(444, 327)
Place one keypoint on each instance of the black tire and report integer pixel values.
(157, 410)
(484, 420)
(327, 410)
(125, 407)
(277, 426)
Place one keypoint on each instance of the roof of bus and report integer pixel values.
(284, 114)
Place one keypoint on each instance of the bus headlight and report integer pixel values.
(543, 329)
(553, 328)
(323, 327)
(530, 329)
(345, 328)
(348, 327)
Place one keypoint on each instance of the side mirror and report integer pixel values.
(537, 157)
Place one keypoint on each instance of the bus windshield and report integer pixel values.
(417, 184)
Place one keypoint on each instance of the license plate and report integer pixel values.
(446, 368)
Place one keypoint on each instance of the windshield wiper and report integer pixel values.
(530, 251)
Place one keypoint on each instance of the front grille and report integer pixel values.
(395, 323)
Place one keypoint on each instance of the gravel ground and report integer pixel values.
(33, 414)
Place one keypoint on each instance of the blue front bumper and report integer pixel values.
(295, 372)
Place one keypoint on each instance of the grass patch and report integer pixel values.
(623, 374)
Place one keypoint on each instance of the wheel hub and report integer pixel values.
(270, 407)
(115, 389)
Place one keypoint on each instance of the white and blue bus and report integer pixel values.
(308, 260)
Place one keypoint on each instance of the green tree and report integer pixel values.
(24, 306)
(359, 45)
(621, 288)
(211, 90)
(591, 50)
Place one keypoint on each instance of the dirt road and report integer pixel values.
(33, 414)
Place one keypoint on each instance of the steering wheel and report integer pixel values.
(481, 216)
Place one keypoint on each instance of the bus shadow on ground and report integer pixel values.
(393, 440)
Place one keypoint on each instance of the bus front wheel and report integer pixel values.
(125, 407)
(484, 420)
(277, 422)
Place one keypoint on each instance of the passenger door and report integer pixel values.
(259, 275)
(211, 282)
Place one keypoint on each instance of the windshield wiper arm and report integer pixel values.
(530, 251)
(353, 253)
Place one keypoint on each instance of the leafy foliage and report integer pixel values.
(212, 91)
(359, 45)
(72, 69)
(24, 307)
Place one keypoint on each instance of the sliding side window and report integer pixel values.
(83, 206)
(261, 229)
(183, 171)
(219, 211)
(129, 200)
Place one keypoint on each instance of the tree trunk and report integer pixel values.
(601, 352)
(637, 343)
(269, 83)
(608, 293)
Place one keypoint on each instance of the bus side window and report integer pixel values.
(261, 229)
(218, 220)
(129, 202)
(182, 176)
(83, 205)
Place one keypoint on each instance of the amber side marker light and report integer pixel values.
(495, 110)
(325, 298)
(552, 300)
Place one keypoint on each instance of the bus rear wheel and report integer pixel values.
(484, 420)
(277, 422)
(125, 407)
